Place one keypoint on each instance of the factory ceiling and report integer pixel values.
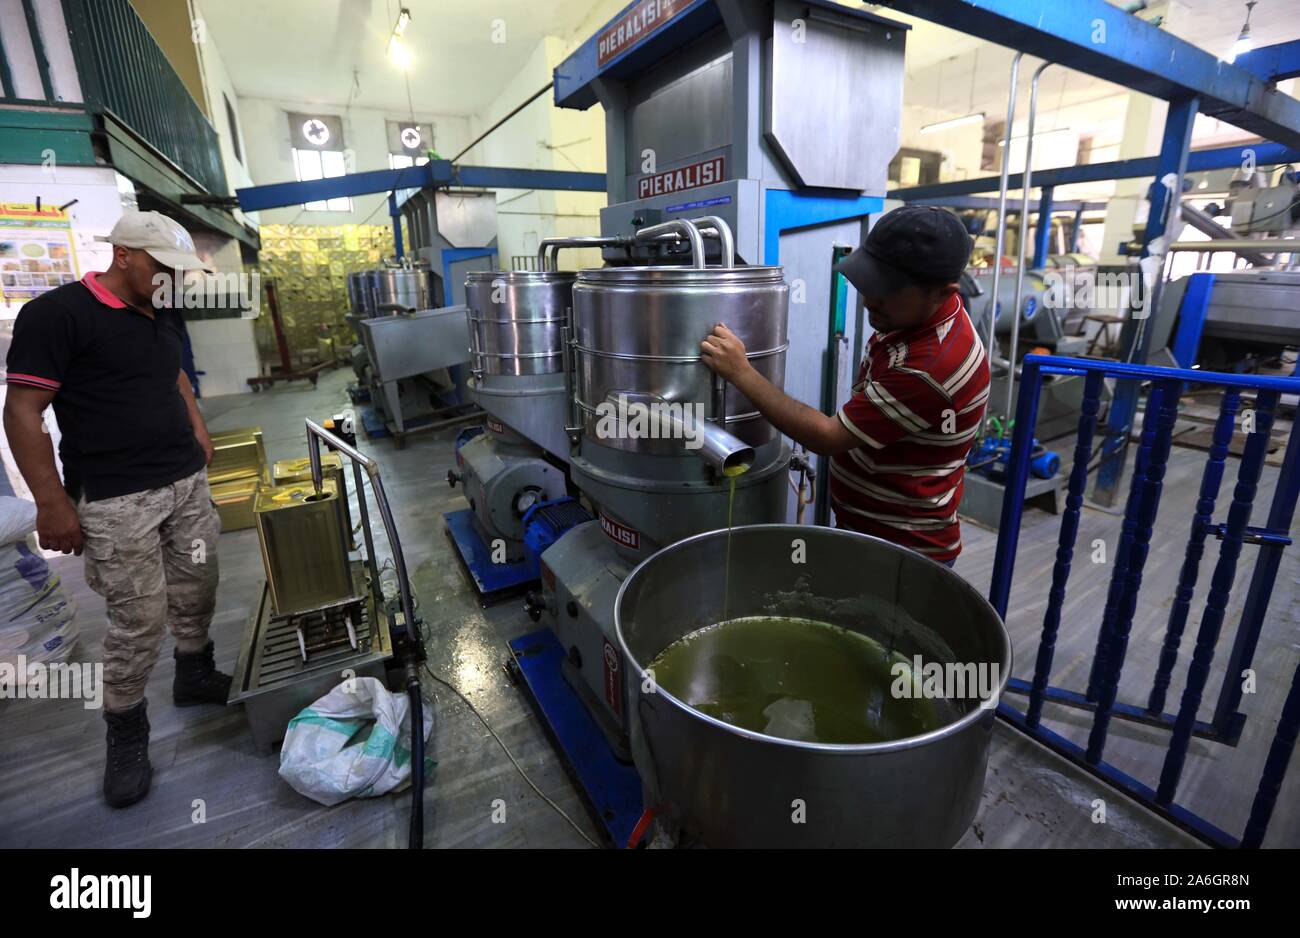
(463, 53)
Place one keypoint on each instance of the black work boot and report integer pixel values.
(128, 773)
(197, 679)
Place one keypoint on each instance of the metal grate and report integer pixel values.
(327, 644)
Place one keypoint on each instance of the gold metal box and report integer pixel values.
(303, 547)
(298, 471)
(234, 500)
(238, 454)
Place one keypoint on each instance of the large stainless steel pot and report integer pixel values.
(359, 300)
(638, 329)
(516, 318)
(728, 787)
(408, 287)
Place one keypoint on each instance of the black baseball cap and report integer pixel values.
(912, 244)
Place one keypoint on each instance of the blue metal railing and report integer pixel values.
(124, 73)
(1140, 513)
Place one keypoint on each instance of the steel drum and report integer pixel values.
(728, 787)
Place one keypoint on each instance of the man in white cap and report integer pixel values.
(106, 352)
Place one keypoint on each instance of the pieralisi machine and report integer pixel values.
(663, 449)
(513, 468)
(779, 117)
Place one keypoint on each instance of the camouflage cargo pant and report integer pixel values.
(152, 555)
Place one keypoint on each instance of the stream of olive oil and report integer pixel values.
(726, 573)
(798, 679)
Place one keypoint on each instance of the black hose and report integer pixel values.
(415, 839)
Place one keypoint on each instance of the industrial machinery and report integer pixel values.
(519, 461)
(1230, 321)
(714, 785)
(454, 232)
(416, 377)
(712, 110)
(408, 315)
(704, 457)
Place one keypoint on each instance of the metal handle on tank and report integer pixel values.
(719, 400)
(568, 348)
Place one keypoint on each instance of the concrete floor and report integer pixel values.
(53, 750)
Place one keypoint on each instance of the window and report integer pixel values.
(322, 164)
(402, 160)
(234, 129)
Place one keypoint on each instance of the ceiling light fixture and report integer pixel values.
(398, 52)
(1243, 43)
(952, 122)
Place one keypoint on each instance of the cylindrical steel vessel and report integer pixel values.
(515, 320)
(410, 287)
(359, 293)
(638, 329)
(729, 787)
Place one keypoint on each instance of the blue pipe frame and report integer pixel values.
(1139, 518)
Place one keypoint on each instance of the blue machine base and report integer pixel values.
(612, 788)
(491, 580)
(371, 423)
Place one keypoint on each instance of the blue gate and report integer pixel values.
(1151, 459)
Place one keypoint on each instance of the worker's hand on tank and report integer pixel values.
(723, 351)
(58, 527)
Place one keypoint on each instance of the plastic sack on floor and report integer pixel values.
(17, 519)
(352, 743)
(37, 617)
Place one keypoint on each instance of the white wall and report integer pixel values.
(542, 136)
(269, 152)
(216, 84)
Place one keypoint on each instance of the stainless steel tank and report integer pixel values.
(634, 342)
(516, 320)
(636, 338)
(728, 787)
(409, 287)
(640, 328)
(359, 302)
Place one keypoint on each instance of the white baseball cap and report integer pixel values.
(162, 238)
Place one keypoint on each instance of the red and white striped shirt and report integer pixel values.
(917, 407)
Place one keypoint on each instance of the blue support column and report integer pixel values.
(1211, 480)
(1136, 335)
(1148, 505)
(1074, 230)
(1043, 235)
(1013, 498)
(396, 214)
(1216, 602)
(1092, 386)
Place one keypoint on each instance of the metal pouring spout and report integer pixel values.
(720, 449)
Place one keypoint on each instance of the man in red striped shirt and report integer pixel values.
(898, 446)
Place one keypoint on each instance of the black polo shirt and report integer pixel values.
(113, 369)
